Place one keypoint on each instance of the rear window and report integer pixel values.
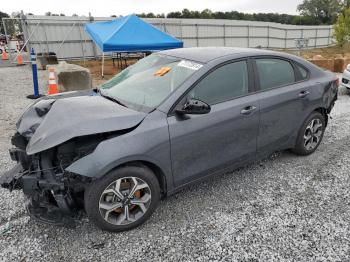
(274, 72)
(303, 72)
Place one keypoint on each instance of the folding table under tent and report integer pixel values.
(130, 34)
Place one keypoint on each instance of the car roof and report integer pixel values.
(206, 54)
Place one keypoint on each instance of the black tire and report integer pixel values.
(300, 148)
(96, 188)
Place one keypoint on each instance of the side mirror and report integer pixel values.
(194, 107)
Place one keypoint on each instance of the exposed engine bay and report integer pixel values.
(53, 194)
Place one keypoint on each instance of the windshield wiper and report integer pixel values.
(111, 98)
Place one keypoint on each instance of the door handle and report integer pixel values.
(303, 94)
(248, 110)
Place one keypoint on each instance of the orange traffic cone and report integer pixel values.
(4, 56)
(52, 88)
(19, 59)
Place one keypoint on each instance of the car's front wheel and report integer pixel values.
(123, 199)
(311, 134)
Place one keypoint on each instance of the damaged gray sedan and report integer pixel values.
(173, 118)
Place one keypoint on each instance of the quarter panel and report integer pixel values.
(283, 112)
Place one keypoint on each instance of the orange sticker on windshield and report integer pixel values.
(162, 71)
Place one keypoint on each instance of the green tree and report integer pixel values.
(13, 26)
(234, 15)
(304, 20)
(174, 15)
(342, 28)
(2, 15)
(206, 14)
(150, 15)
(324, 11)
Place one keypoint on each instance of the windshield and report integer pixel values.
(144, 85)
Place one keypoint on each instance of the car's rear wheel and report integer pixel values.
(310, 134)
(123, 199)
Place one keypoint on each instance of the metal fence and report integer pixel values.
(66, 36)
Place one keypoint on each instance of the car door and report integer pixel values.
(283, 101)
(226, 135)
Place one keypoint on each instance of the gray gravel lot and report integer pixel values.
(283, 208)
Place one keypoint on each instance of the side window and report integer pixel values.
(303, 72)
(225, 83)
(274, 72)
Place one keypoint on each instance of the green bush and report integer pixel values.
(342, 28)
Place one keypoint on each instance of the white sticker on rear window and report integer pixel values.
(190, 65)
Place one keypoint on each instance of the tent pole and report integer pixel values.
(103, 63)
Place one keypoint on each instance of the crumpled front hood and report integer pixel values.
(51, 121)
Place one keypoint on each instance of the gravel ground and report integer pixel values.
(283, 208)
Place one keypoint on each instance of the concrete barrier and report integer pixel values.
(336, 64)
(44, 59)
(346, 61)
(71, 77)
(324, 63)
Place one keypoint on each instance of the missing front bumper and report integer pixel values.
(50, 214)
(43, 204)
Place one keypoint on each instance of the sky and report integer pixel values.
(125, 7)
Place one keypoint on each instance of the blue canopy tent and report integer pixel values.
(130, 34)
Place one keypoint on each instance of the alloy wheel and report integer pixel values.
(313, 134)
(125, 200)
